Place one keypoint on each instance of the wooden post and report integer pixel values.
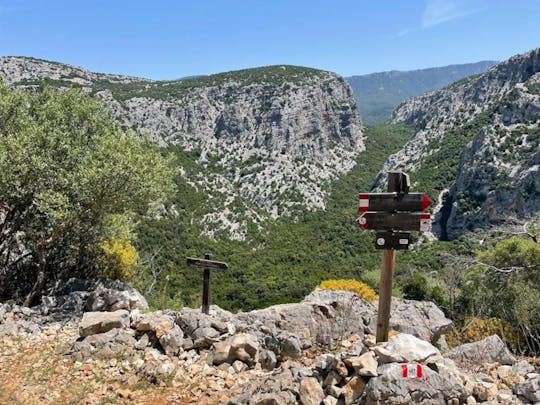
(396, 184)
(385, 294)
(206, 288)
(206, 264)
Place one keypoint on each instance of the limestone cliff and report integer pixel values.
(477, 142)
(267, 140)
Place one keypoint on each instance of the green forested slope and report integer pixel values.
(281, 262)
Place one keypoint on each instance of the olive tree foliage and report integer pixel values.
(503, 281)
(66, 169)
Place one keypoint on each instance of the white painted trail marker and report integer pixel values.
(412, 371)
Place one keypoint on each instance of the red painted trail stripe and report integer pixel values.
(425, 216)
(404, 370)
(419, 371)
(364, 202)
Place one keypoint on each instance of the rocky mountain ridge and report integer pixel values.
(478, 138)
(320, 350)
(265, 140)
(378, 94)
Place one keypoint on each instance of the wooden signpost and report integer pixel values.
(207, 265)
(392, 214)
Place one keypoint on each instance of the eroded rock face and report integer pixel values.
(422, 319)
(498, 113)
(272, 136)
(489, 350)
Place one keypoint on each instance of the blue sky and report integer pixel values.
(163, 39)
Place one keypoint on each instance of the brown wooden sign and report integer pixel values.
(207, 265)
(392, 202)
(395, 221)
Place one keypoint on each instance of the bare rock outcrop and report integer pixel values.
(485, 129)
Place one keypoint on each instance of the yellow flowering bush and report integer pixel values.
(119, 259)
(475, 329)
(357, 287)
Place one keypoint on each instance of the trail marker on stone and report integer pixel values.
(392, 214)
(412, 371)
(207, 265)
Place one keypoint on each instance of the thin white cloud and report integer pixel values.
(440, 11)
(400, 34)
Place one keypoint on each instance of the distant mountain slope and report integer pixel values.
(478, 139)
(377, 94)
(258, 143)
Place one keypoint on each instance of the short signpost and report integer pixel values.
(207, 265)
(392, 215)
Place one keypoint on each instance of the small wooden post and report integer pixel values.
(206, 288)
(396, 183)
(385, 294)
(206, 264)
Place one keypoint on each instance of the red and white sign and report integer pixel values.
(392, 202)
(425, 222)
(411, 371)
(395, 221)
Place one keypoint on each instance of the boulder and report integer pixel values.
(489, 350)
(172, 340)
(353, 389)
(404, 348)
(390, 387)
(204, 337)
(70, 298)
(529, 389)
(330, 400)
(156, 322)
(325, 362)
(243, 347)
(311, 392)
(99, 322)
(267, 359)
(111, 295)
(364, 365)
(190, 320)
(114, 336)
(523, 368)
(422, 319)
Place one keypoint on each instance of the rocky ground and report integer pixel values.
(96, 343)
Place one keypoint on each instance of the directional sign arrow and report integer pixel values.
(392, 202)
(395, 221)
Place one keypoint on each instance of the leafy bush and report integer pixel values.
(357, 287)
(67, 169)
(119, 259)
(416, 288)
(475, 329)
